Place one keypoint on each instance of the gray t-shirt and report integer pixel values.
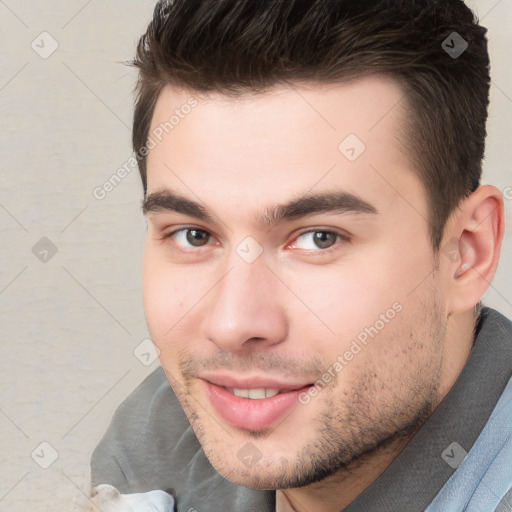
(150, 444)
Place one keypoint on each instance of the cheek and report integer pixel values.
(343, 300)
(354, 303)
(168, 293)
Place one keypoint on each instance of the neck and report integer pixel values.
(337, 491)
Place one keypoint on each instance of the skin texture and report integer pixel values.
(297, 307)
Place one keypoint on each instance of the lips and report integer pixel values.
(251, 403)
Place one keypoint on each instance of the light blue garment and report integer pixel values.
(484, 478)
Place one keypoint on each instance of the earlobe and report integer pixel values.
(479, 232)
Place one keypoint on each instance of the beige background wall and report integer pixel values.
(71, 321)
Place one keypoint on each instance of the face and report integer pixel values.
(288, 276)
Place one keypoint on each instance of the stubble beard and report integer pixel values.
(348, 433)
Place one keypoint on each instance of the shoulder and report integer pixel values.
(149, 445)
(492, 323)
(148, 435)
(151, 404)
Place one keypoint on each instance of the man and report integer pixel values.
(318, 246)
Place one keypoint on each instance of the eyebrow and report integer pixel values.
(309, 204)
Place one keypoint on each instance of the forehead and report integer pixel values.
(288, 140)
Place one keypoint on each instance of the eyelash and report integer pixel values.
(341, 238)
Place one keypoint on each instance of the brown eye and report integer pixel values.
(190, 237)
(317, 239)
(324, 239)
(197, 237)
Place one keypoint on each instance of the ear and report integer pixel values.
(473, 248)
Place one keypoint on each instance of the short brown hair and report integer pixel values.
(239, 46)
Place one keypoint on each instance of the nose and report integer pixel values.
(245, 311)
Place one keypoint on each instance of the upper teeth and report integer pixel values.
(255, 393)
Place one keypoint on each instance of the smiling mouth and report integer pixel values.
(254, 394)
(252, 408)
